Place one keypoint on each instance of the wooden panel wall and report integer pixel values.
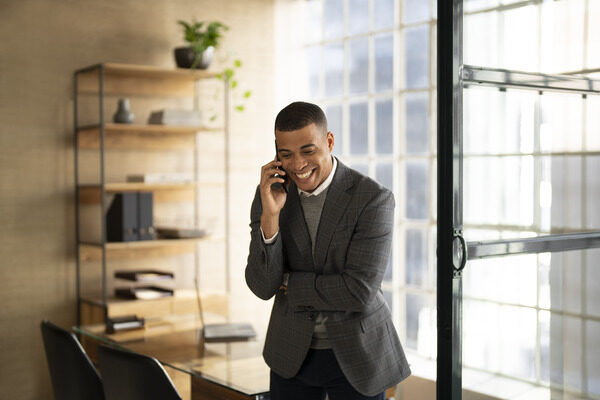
(43, 42)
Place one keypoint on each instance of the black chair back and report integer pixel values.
(73, 374)
(132, 376)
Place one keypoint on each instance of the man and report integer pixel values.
(320, 244)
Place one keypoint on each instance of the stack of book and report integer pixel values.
(176, 117)
(144, 292)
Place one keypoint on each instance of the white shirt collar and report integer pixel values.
(323, 185)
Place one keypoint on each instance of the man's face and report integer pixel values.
(305, 155)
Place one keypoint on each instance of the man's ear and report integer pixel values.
(330, 141)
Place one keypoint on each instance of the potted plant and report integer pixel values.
(199, 52)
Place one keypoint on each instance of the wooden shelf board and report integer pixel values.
(183, 302)
(142, 80)
(149, 71)
(163, 192)
(138, 136)
(141, 249)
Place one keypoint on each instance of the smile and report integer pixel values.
(305, 175)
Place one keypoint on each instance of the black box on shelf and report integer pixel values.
(130, 217)
(122, 218)
(145, 222)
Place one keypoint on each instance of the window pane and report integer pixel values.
(358, 128)
(417, 122)
(385, 174)
(384, 122)
(416, 257)
(562, 35)
(313, 61)
(491, 342)
(498, 122)
(384, 14)
(334, 69)
(506, 279)
(417, 194)
(420, 324)
(592, 282)
(334, 124)
(359, 65)
(592, 189)
(417, 57)
(384, 62)
(592, 140)
(333, 15)
(314, 11)
(592, 357)
(561, 127)
(358, 16)
(363, 168)
(565, 182)
(560, 281)
(520, 50)
(560, 350)
(473, 5)
(498, 190)
(481, 39)
(416, 10)
(593, 55)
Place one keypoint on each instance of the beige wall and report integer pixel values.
(43, 42)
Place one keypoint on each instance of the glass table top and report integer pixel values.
(176, 341)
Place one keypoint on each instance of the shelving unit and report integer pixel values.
(112, 79)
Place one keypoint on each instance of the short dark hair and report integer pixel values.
(299, 114)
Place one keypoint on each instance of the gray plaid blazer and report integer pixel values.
(343, 281)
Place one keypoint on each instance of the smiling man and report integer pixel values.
(321, 237)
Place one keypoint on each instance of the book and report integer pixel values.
(161, 177)
(176, 117)
(144, 275)
(124, 323)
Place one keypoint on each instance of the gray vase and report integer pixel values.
(123, 114)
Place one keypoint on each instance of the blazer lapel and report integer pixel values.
(296, 224)
(335, 204)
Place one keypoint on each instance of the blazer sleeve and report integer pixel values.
(264, 270)
(366, 261)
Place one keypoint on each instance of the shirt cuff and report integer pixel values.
(270, 240)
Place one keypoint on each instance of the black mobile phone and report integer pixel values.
(285, 178)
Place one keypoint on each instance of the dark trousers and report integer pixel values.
(320, 374)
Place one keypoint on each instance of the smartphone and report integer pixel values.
(278, 185)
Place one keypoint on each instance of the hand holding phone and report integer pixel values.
(278, 185)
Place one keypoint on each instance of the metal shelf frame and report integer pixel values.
(149, 73)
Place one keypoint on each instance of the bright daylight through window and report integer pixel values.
(531, 163)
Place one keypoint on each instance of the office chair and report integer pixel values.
(132, 376)
(73, 374)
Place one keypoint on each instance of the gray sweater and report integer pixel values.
(312, 207)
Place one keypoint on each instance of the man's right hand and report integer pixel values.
(272, 199)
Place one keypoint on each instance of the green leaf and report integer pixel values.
(213, 117)
(219, 76)
(239, 108)
(234, 84)
(247, 94)
(228, 73)
(237, 63)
